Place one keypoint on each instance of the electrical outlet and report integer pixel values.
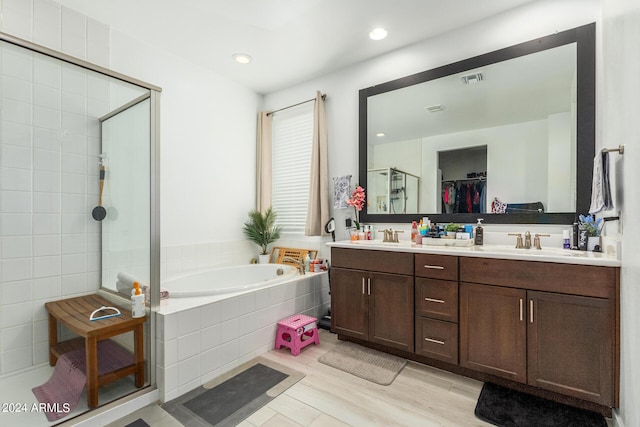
(347, 222)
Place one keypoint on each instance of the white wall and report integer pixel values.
(533, 20)
(619, 109)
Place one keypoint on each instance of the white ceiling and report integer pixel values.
(291, 41)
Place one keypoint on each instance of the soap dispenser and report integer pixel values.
(479, 240)
(137, 301)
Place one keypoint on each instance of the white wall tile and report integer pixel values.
(188, 321)
(210, 360)
(16, 89)
(16, 336)
(16, 314)
(17, 18)
(16, 134)
(74, 183)
(16, 111)
(74, 203)
(40, 352)
(16, 202)
(75, 263)
(47, 139)
(46, 266)
(74, 284)
(15, 157)
(74, 243)
(46, 181)
(48, 118)
(46, 96)
(16, 359)
(46, 224)
(210, 337)
(46, 245)
(74, 163)
(188, 370)
(47, 71)
(210, 315)
(188, 345)
(74, 223)
(74, 33)
(16, 292)
(47, 287)
(170, 326)
(98, 43)
(16, 247)
(47, 203)
(16, 224)
(46, 160)
(47, 20)
(74, 80)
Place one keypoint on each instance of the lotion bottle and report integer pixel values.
(137, 301)
(479, 240)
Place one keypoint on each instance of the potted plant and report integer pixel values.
(593, 229)
(451, 230)
(262, 230)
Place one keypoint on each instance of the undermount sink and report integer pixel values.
(551, 252)
(401, 244)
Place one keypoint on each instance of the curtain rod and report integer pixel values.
(324, 96)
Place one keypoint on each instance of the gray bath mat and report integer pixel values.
(231, 398)
(372, 365)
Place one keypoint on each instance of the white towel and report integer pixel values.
(341, 185)
(123, 288)
(600, 188)
(127, 279)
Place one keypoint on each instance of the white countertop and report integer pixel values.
(564, 256)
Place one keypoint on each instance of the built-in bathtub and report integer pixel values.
(215, 320)
(228, 280)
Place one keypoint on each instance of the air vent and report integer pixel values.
(434, 108)
(474, 78)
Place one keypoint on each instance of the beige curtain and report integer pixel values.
(318, 210)
(263, 167)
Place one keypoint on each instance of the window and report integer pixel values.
(291, 154)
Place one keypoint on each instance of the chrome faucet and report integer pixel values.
(298, 262)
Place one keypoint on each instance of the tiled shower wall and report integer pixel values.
(49, 167)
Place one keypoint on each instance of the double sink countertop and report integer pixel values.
(557, 255)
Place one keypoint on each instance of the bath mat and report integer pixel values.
(372, 365)
(138, 423)
(63, 390)
(231, 398)
(503, 407)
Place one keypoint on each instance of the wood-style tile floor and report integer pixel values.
(419, 396)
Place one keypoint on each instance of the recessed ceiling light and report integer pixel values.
(378, 34)
(242, 58)
(434, 108)
(379, 134)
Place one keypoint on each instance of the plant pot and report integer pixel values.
(264, 259)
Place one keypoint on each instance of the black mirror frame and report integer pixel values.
(584, 37)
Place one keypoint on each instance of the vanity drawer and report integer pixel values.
(437, 339)
(437, 299)
(443, 267)
(370, 260)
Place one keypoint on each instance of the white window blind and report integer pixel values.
(291, 154)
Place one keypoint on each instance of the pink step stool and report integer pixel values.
(297, 332)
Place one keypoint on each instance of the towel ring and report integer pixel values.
(106, 316)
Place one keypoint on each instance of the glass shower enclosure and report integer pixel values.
(61, 119)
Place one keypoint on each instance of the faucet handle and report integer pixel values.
(519, 244)
(536, 239)
(395, 235)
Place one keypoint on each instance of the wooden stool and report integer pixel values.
(296, 332)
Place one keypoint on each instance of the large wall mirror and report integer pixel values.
(508, 136)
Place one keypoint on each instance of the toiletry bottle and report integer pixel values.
(137, 301)
(479, 233)
(575, 232)
(566, 238)
(307, 263)
(414, 231)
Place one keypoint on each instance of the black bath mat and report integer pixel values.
(138, 423)
(229, 401)
(504, 407)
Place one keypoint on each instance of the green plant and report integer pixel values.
(261, 228)
(451, 227)
(591, 225)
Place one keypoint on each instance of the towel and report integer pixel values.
(127, 279)
(600, 187)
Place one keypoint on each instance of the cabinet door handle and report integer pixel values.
(440, 301)
(521, 309)
(369, 286)
(434, 341)
(363, 286)
(531, 310)
(434, 267)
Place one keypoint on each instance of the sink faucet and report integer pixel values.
(527, 240)
(298, 262)
(388, 236)
(518, 240)
(536, 240)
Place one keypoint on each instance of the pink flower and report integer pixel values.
(357, 200)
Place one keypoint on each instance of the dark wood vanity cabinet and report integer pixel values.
(528, 330)
(546, 325)
(374, 301)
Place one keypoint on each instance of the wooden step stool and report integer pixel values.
(296, 332)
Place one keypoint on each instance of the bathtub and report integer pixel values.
(228, 280)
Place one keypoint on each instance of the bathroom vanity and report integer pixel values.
(545, 322)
